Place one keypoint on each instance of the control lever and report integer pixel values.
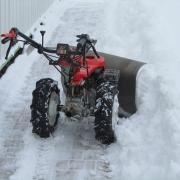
(42, 34)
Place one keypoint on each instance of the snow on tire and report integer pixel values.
(103, 113)
(44, 113)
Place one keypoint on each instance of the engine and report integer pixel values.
(80, 101)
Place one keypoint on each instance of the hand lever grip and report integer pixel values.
(9, 35)
(5, 40)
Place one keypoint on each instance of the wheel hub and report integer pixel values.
(52, 110)
(114, 114)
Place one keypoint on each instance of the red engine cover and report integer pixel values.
(92, 62)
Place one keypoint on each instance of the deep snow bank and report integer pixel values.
(148, 142)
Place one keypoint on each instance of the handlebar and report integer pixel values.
(9, 36)
(12, 37)
(5, 40)
(35, 44)
(83, 46)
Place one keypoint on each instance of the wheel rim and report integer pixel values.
(52, 109)
(115, 114)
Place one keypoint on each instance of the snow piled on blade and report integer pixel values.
(148, 143)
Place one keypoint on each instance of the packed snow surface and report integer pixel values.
(148, 143)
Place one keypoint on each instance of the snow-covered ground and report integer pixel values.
(148, 143)
(148, 146)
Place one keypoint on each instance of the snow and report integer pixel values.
(148, 143)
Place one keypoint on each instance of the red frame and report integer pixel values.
(81, 72)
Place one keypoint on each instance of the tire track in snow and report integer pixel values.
(14, 125)
(73, 152)
(12, 142)
(32, 145)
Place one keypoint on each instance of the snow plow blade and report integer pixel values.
(127, 81)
